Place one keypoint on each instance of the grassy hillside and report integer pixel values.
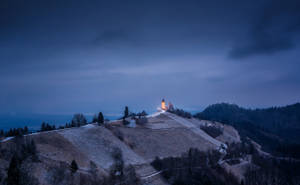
(277, 129)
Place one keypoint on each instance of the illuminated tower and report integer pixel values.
(163, 105)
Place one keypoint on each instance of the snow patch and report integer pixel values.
(88, 126)
(156, 114)
(6, 139)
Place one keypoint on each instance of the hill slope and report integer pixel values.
(165, 135)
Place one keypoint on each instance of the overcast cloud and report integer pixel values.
(86, 56)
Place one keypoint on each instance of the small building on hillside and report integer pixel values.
(163, 105)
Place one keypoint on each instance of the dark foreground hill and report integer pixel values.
(277, 129)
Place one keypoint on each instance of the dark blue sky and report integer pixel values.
(61, 57)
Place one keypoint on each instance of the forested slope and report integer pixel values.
(277, 129)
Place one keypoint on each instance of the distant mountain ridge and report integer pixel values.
(277, 129)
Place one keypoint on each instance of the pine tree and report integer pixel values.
(43, 127)
(13, 172)
(32, 146)
(126, 112)
(100, 118)
(25, 130)
(1, 133)
(74, 166)
(95, 119)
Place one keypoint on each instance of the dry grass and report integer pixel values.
(150, 143)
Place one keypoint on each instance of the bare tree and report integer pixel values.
(78, 120)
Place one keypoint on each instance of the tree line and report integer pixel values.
(77, 121)
(14, 132)
(194, 167)
(202, 168)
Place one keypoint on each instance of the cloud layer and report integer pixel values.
(65, 56)
(274, 31)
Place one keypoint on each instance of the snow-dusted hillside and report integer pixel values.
(164, 135)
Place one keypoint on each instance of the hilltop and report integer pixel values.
(164, 135)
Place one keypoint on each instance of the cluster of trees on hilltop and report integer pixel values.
(128, 113)
(139, 117)
(181, 113)
(98, 118)
(77, 120)
(277, 129)
(14, 132)
(47, 127)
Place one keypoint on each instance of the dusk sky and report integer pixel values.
(67, 56)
